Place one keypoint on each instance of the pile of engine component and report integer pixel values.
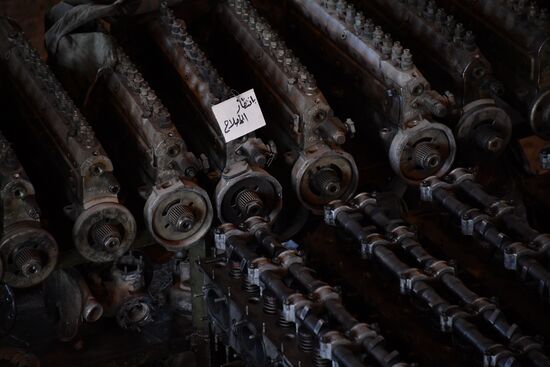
(276, 183)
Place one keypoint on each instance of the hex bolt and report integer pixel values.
(407, 60)
(488, 139)
(396, 52)
(469, 41)
(369, 29)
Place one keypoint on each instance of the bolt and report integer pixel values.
(369, 29)
(407, 60)
(350, 14)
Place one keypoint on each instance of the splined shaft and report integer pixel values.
(107, 235)
(250, 204)
(427, 156)
(181, 217)
(28, 261)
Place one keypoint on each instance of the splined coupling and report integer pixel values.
(107, 235)
(326, 182)
(181, 217)
(426, 156)
(28, 261)
(249, 203)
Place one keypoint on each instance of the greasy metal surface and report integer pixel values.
(395, 88)
(93, 188)
(239, 162)
(28, 252)
(168, 168)
(313, 133)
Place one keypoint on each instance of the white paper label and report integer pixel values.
(239, 115)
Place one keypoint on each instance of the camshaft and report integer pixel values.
(398, 233)
(516, 256)
(266, 273)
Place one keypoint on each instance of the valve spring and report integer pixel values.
(326, 182)
(305, 340)
(249, 203)
(282, 322)
(270, 305)
(181, 217)
(318, 361)
(235, 271)
(28, 261)
(426, 156)
(107, 236)
(251, 289)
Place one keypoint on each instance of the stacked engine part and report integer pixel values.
(521, 248)
(177, 211)
(418, 283)
(305, 127)
(481, 127)
(103, 229)
(434, 266)
(254, 311)
(515, 39)
(28, 252)
(401, 98)
(244, 188)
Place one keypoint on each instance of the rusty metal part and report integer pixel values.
(29, 253)
(422, 150)
(516, 39)
(400, 95)
(449, 46)
(239, 162)
(258, 272)
(484, 128)
(93, 192)
(169, 168)
(316, 133)
(124, 292)
(70, 302)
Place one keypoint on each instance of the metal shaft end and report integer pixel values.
(181, 217)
